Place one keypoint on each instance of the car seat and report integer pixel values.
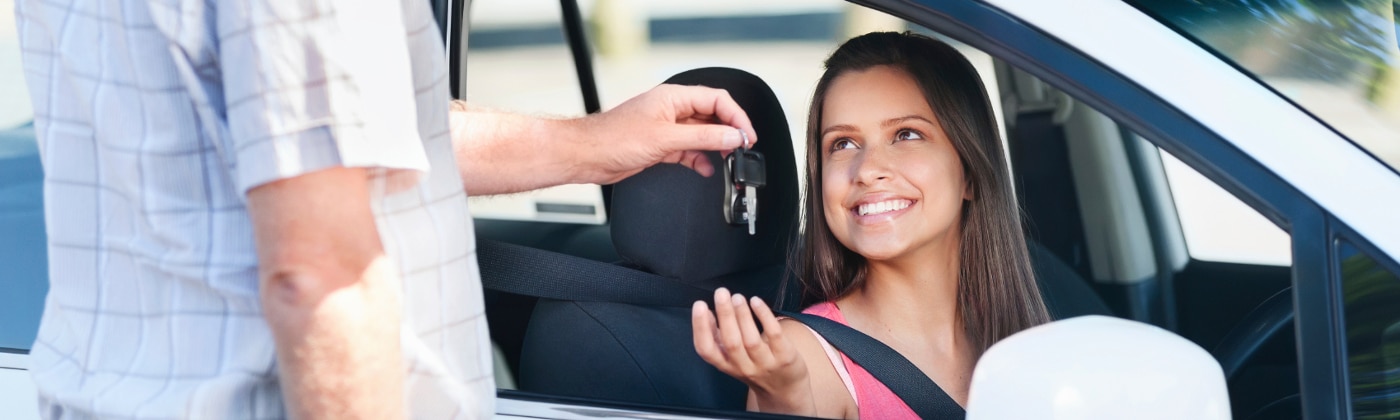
(1065, 293)
(668, 220)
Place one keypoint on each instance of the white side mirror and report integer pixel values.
(1097, 367)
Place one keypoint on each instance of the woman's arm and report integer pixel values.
(774, 363)
(833, 399)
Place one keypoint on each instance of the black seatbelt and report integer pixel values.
(887, 366)
(535, 272)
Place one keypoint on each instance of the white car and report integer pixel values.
(1114, 112)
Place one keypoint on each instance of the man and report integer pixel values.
(256, 209)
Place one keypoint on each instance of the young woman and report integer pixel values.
(912, 236)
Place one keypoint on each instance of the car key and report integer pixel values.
(744, 174)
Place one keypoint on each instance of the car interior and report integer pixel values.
(1104, 233)
(1104, 230)
(665, 221)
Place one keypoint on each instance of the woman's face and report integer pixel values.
(892, 183)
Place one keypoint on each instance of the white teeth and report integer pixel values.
(882, 207)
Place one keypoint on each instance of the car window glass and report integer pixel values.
(1372, 319)
(23, 249)
(1336, 59)
(1218, 226)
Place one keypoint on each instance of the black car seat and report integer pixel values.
(668, 220)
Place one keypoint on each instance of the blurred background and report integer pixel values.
(519, 62)
(1336, 60)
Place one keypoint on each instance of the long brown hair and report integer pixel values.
(997, 293)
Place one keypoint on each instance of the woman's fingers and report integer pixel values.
(748, 331)
(772, 330)
(706, 336)
(730, 338)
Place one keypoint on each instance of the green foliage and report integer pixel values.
(1349, 42)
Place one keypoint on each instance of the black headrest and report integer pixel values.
(670, 221)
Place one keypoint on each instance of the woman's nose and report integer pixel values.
(873, 166)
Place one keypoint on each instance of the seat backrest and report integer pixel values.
(668, 220)
(1065, 293)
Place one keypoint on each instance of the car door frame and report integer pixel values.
(1038, 53)
(1323, 383)
(1319, 329)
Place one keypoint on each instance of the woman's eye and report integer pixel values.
(908, 134)
(843, 143)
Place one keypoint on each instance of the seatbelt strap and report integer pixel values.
(535, 272)
(887, 366)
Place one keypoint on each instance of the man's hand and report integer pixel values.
(504, 153)
(668, 124)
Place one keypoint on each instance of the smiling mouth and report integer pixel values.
(870, 209)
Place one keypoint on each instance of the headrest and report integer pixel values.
(670, 221)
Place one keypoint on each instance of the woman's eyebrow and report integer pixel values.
(885, 124)
(838, 127)
(897, 120)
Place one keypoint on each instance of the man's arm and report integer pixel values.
(504, 153)
(330, 295)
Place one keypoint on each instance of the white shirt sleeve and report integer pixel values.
(314, 85)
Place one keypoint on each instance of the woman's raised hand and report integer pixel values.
(729, 339)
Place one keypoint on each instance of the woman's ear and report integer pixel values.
(967, 190)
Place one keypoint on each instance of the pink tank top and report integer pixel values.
(873, 399)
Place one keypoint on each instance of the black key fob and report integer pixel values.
(744, 174)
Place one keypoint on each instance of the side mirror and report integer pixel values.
(1097, 367)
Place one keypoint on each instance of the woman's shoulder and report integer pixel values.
(806, 341)
(827, 310)
(833, 397)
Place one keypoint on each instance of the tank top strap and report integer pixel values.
(873, 399)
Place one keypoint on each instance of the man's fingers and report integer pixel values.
(698, 101)
(704, 137)
(695, 161)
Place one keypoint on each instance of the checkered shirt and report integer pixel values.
(155, 117)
